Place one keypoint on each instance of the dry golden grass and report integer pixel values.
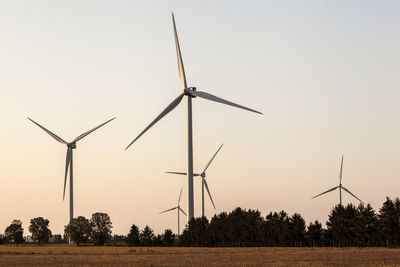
(69, 255)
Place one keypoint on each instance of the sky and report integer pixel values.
(324, 73)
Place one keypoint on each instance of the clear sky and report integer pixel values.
(324, 73)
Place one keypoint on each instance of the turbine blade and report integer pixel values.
(67, 164)
(348, 191)
(208, 191)
(219, 100)
(90, 131)
(179, 55)
(182, 211)
(167, 110)
(341, 171)
(180, 194)
(59, 139)
(168, 210)
(183, 173)
(180, 173)
(326, 192)
(209, 162)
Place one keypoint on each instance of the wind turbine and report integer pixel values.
(190, 92)
(203, 181)
(340, 186)
(68, 164)
(178, 208)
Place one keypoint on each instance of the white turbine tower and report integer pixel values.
(190, 92)
(178, 208)
(68, 164)
(340, 186)
(203, 181)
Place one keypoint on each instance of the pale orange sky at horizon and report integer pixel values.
(324, 73)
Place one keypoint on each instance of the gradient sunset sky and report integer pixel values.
(324, 73)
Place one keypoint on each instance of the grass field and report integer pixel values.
(69, 255)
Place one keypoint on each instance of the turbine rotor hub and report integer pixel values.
(71, 145)
(187, 91)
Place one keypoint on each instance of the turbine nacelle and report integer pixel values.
(72, 145)
(188, 91)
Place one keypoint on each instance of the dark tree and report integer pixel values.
(314, 234)
(118, 238)
(342, 225)
(244, 227)
(78, 230)
(157, 240)
(168, 238)
(101, 225)
(195, 233)
(275, 228)
(368, 226)
(133, 239)
(39, 228)
(146, 236)
(14, 232)
(218, 230)
(58, 239)
(389, 222)
(296, 230)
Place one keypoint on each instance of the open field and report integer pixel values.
(66, 255)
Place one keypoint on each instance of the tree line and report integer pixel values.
(346, 226)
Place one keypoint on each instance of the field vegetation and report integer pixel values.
(69, 255)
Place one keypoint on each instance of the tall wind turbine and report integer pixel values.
(190, 92)
(340, 186)
(68, 164)
(203, 181)
(178, 208)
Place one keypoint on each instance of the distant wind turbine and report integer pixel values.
(340, 186)
(68, 164)
(190, 92)
(203, 181)
(178, 208)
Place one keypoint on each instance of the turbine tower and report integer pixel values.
(203, 181)
(68, 164)
(340, 186)
(178, 208)
(190, 92)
